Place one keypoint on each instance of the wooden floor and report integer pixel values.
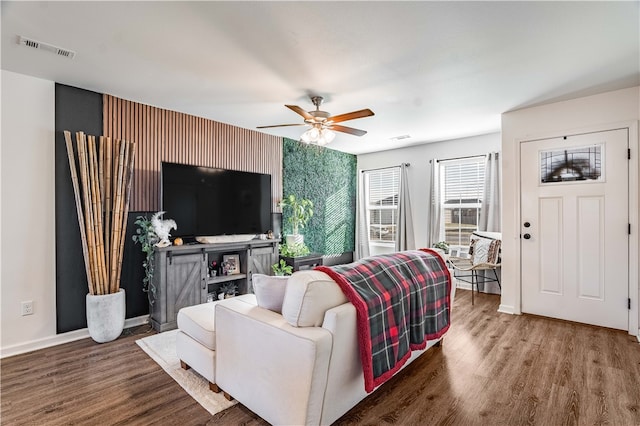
(493, 369)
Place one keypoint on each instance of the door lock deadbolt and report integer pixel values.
(527, 224)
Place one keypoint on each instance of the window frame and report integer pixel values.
(369, 207)
(478, 161)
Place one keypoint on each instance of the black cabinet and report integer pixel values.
(303, 262)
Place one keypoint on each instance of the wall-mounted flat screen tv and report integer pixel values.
(206, 202)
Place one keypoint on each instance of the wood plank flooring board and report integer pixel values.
(492, 369)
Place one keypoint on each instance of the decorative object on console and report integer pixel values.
(213, 268)
(270, 291)
(162, 228)
(231, 264)
(229, 289)
(102, 205)
(298, 212)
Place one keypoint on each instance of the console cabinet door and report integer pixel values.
(186, 283)
(261, 260)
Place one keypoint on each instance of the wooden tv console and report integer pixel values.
(182, 278)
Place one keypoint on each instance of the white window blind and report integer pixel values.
(382, 188)
(463, 186)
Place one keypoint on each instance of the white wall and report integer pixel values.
(27, 217)
(419, 171)
(27, 222)
(585, 114)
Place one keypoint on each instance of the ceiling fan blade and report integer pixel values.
(351, 115)
(300, 111)
(280, 125)
(350, 130)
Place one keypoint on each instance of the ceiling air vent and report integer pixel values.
(48, 47)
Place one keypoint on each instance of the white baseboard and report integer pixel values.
(61, 338)
(506, 309)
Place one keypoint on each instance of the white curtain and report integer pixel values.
(436, 227)
(405, 239)
(362, 226)
(490, 208)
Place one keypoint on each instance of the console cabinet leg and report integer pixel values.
(227, 396)
(214, 387)
(184, 365)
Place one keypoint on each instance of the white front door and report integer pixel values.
(574, 228)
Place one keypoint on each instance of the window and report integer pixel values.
(382, 188)
(462, 189)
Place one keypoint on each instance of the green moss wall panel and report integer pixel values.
(328, 178)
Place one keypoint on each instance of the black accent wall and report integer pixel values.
(81, 110)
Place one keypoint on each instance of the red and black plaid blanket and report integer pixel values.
(402, 301)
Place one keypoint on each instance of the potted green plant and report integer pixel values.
(442, 245)
(298, 212)
(147, 238)
(281, 268)
(294, 250)
(229, 289)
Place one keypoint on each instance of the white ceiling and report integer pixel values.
(431, 70)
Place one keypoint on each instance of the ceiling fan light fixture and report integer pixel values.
(317, 135)
(326, 136)
(311, 135)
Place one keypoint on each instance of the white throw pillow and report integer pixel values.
(484, 250)
(269, 291)
(309, 294)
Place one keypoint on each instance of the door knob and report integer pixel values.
(527, 224)
(526, 236)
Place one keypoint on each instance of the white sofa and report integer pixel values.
(309, 373)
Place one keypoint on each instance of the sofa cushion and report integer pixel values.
(198, 322)
(308, 295)
(269, 291)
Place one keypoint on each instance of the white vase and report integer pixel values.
(294, 239)
(105, 315)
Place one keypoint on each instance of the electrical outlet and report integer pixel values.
(27, 307)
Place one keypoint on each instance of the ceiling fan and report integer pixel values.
(322, 122)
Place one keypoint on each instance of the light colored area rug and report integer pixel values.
(161, 348)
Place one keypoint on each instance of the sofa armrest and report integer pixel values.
(276, 370)
(345, 385)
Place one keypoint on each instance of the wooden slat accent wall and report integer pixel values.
(163, 135)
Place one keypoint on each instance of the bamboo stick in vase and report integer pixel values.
(115, 233)
(101, 169)
(118, 218)
(132, 158)
(107, 201)
(88, 216)
(76, 193)
(94, 218)
(97, 215)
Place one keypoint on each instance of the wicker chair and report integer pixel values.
(484, 255)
